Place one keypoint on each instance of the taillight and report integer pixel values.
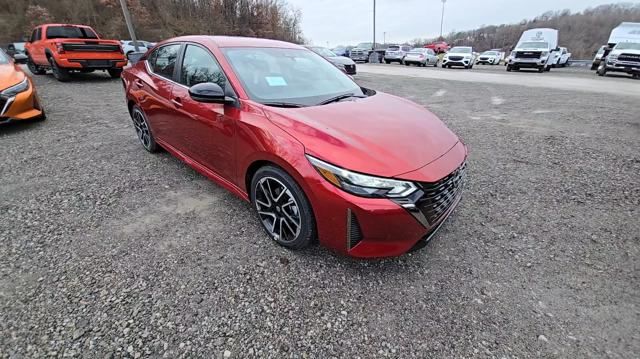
(60, 48)
(120, 49)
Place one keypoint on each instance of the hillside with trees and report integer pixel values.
(156, 19)
(581, 32)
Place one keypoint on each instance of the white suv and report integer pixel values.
(396, 53)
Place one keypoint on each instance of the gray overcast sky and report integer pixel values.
(344, 22)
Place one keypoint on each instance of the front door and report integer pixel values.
(208, 128)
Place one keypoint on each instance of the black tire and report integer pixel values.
(282, 189)
(35, 69)
(143, 130)
(540, 69)
(594, 67)
(406, 64)
(59, 73)
(435, 64)
(548, 69)
(115, 73)
(602, 70)
(509, 68)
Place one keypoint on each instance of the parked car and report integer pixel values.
(317, 155)
(16, 50)
(438, 47)
(535, 50)
(364, 50)
(597, 57)
(18, 97)
(66, 48)
(625, 57)
(489, 58)
(396, 53)
(459, 56)
(128, 46)
(341, 51)
(421, 57)
(343, 63)
(563, 57)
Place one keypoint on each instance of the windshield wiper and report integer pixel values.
(339, 98)
(283, 104)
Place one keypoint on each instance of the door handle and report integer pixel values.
(138, 83)
(177, 102)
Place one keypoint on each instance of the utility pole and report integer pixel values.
(442, 18)
(127, 19)
(384, 39)
(374, 26)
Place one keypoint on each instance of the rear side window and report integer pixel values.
(199, 66)
(70, 32)
(163, 60)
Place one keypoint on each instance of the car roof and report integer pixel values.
(78, 25)
(236, 41)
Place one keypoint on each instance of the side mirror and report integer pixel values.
(134, 57)
(209, 92)
(20, 58)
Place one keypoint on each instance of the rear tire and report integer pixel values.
(143, 130)
(602, 70)
(59, 73)
(282, 207)
(115, 73)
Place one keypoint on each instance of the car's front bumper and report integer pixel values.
(379, 227)
(528, 63)
(23, 106)
(463, 62)
(92, 64)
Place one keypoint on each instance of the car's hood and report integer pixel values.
(531, 50)
(381, 135)
(9, 76)
(630, 51)
(458, 54)
(341, 60)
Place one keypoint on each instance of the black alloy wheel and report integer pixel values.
(283, 208)
(142, 130)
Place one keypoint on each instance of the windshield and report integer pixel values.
(627, 46)
(534, 45)
(19, 46)
(489, 53)
(418, 51)
(601, 50)
(4, 59)
(292, 76)
(70, 32)
(322, 51)
(461, 50)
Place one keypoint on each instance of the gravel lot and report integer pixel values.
(109, 251)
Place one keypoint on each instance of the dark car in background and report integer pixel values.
(343, 63)
(341, 51)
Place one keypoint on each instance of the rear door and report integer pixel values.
(156, 102)
(208, 128)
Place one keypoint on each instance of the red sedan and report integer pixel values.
(319, 157)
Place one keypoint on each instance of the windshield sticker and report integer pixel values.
(276, 81)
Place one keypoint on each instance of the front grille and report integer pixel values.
(484, 58)
(354, 233)
(440, 196)
(629, 58)
(91, 47)
(455, 58)
(528, 55)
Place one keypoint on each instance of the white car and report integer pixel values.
(489, 58)
(459, 56)
(129, 48)
(563, 57)
(625, 57)
(421, 57)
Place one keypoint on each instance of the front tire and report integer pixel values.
(143, 130)
(602, 70)
(282, 208)
(35, 69)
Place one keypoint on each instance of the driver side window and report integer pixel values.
(199, 66)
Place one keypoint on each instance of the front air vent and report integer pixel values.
(354, 233)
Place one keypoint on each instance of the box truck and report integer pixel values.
(535, 50)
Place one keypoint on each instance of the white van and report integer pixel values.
(535, 50)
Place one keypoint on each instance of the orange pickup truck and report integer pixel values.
(65, 48)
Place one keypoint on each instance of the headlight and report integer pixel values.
(362, 185)
(467, 57)
(544, 53)
(612, 58)
(16, 89)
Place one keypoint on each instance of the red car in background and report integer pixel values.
(66, 48)
(438, 46)
(319, 157)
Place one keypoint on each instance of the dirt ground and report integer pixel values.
(109, 251)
